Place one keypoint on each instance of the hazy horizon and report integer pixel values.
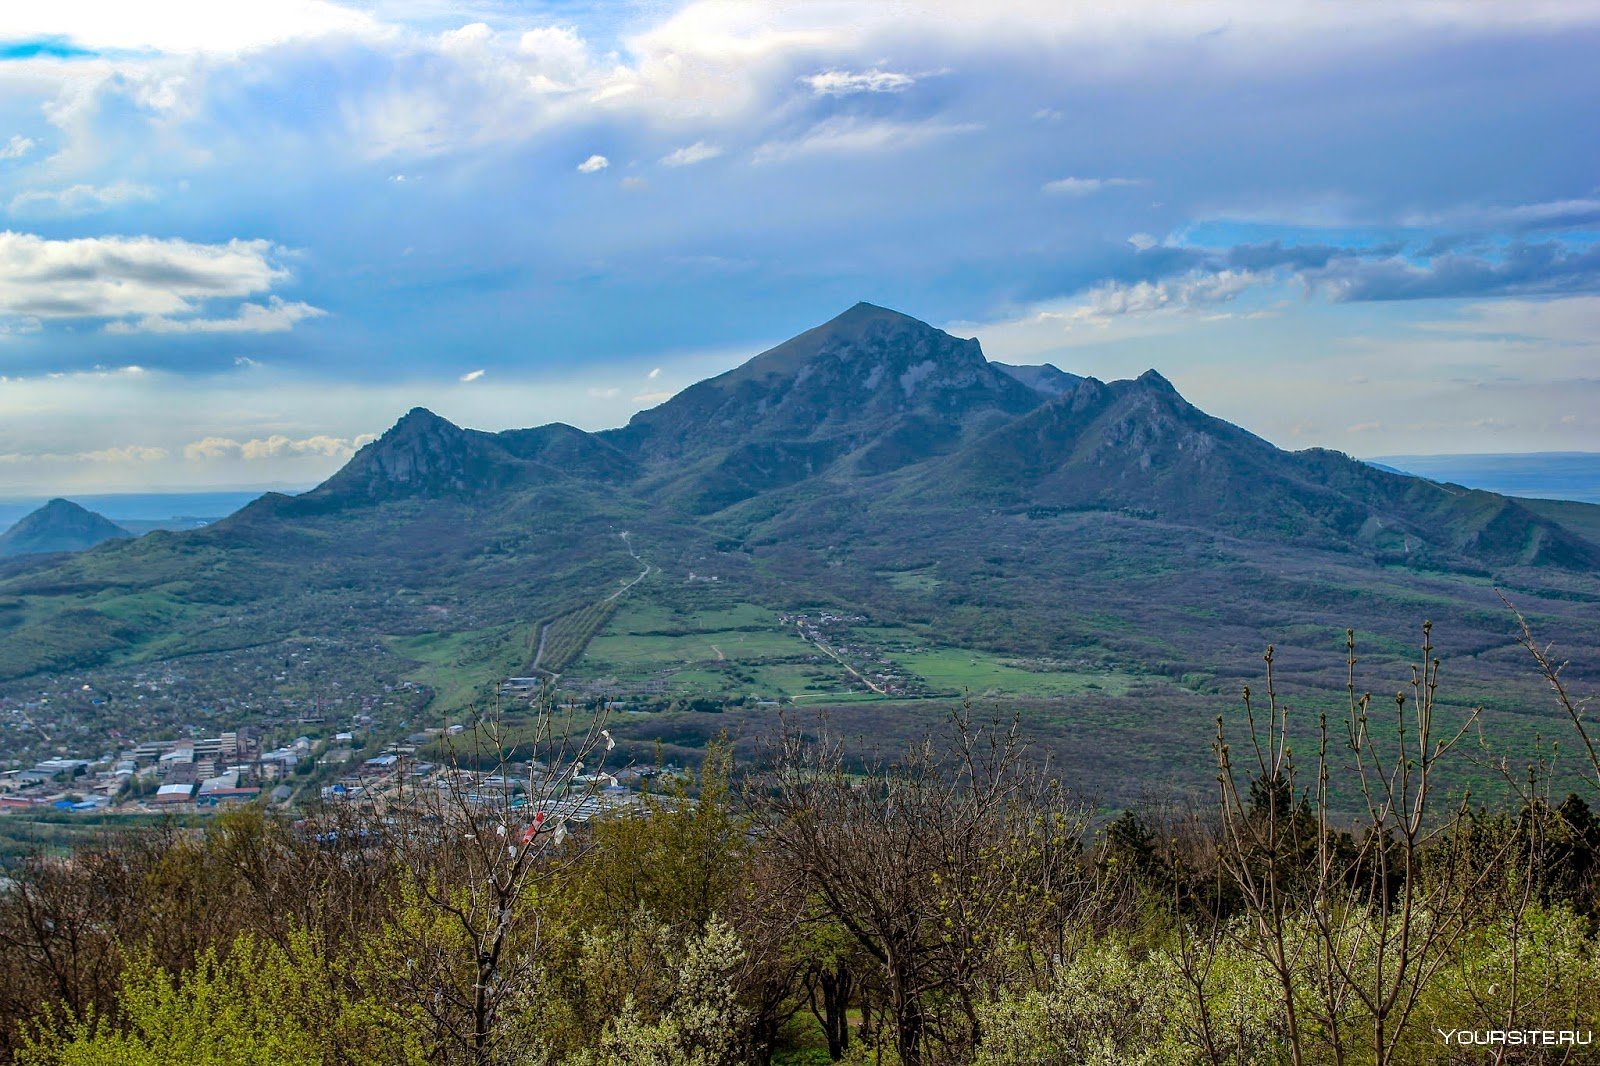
(1539, 475)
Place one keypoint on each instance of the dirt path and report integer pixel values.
(538, 655)
(642, 574)
(835, 657)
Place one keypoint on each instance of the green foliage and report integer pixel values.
(260, 1004)
(694, 1018)
(1110, 1005)
(1539, 970)
(682, 862)
(564, 638)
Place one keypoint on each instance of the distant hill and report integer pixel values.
(963, 523)
(59, 526)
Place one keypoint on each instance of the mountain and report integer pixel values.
(870, 511)
(1139, 445)
(1048, 379)
(870, 391)
(846, 383)
(59, 526)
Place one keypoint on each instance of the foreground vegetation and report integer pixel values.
(951, 902)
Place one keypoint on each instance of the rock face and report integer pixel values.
(422, 455)
(877, 397)
(868, 373)
(59, 526)
(867, 393)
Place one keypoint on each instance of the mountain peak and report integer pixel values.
(421, 419)
(862, 314)
(1153, 379)
(847, 381)
(59, 526)
(860, 331)
(421, 454)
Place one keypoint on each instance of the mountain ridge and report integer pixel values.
(873, 393)
(873, 468)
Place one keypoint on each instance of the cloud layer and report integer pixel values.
(399, 200)
(120, 277)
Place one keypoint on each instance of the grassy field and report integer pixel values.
(693, 643)
(924, 580)
(963, 670)
(644, 650)
(464, 668)
(698, 645)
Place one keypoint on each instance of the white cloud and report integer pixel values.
(1114, 312)
(212, 448)
(120, 277)
(654, 374)
(1143, 242)
(604, 394)
(1533, 215)
(179, 26)
(593, 165)
(635, 184)
(19, 324)
(499, 80)
(1087, 186)
(79, 199)
(17, 147)
(472, 375)
(1197, 290)
(698, 152)
(846, 83)
(275, 316)
(121, 454)
(848, 135)
(558, 57)
(277, 446)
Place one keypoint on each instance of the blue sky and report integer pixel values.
(239, 240)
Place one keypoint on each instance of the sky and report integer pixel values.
(239, 240)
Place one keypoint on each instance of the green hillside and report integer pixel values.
(870, 517)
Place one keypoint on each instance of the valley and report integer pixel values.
(870, 522)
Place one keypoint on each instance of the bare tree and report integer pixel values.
(1551, 669)
(938, 865)
(1354, 923)
(471, 846)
